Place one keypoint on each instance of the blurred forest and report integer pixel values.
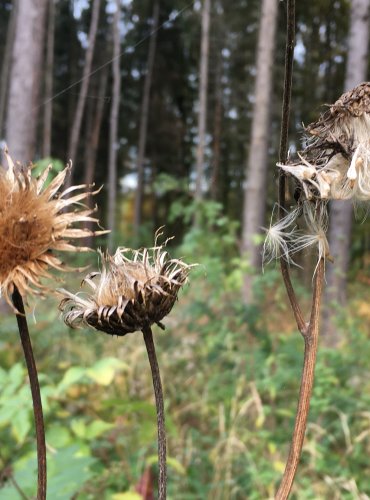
(175, 107)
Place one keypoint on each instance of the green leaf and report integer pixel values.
(21, 425)
(104, 370)
(71, 376)
(97, 428)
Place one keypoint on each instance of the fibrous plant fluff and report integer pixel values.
(34, 223)
(334, 165)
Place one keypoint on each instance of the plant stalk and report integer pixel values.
(35, 391)
(310, 331)
(283, 152)
(158, 392)
(311, 338)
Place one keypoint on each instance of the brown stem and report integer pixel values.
(157, 385)
(35, 390)
(311, 337)
(283, 152)
(310, 332)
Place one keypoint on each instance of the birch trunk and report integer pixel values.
(144, 122)
(24, 87)
(81, 102)
(113, 127)
(255, 186)
(341, 213)
(203, 86)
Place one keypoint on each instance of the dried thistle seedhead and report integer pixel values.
(336, 162)
(34, 222)
(134, 289)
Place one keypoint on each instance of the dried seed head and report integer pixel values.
(134, 289)
(336, 162)
(33, 223)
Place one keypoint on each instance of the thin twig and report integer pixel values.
(157, 385)
(35, 390)
(310, 342)
(283, 152)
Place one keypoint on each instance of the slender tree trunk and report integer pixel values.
(255, 186)
(203, 86)
(341, 212)
(25, 79)
(113, 127)
(217, 126)
(93, 140)
(144, 121)
(48, 106)
(81, 102)
(5, 67)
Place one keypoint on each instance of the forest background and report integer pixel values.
(175, 107)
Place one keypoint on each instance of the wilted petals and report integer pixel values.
(33, 224)
(134, 289)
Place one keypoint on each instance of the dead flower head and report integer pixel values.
(34, 222)
(336, 162)
(134, 289)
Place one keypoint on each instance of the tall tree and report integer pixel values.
(255, 186)
(341, 213)
(25, 77)
(81, 102)
(113, 126)
(48, 106)
(5, 67)
(203, 85)
(144, 120)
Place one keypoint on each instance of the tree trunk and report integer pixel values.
(5, 67)
(113, 127)
(217, 128)
(341, 212)
(255, 186)
(144, 122)
(203, 86)
(25, 79)
(93, 140)
(77, 121)
(48, 106)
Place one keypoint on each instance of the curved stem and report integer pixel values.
(283, 152)
(157, 385)
(36, 395)
(311, 337)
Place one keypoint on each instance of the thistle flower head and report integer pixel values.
(35, 222)
(336, 162)
(134, 289)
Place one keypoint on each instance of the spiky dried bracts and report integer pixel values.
(134, 290)
(334, 165)
(36, 222)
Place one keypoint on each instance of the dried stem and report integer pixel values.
(35, 390)
(283, 152)
(311, 337)
(157, 385)
(309, 331)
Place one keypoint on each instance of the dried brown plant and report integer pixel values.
(134, 290)
(35, 221)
